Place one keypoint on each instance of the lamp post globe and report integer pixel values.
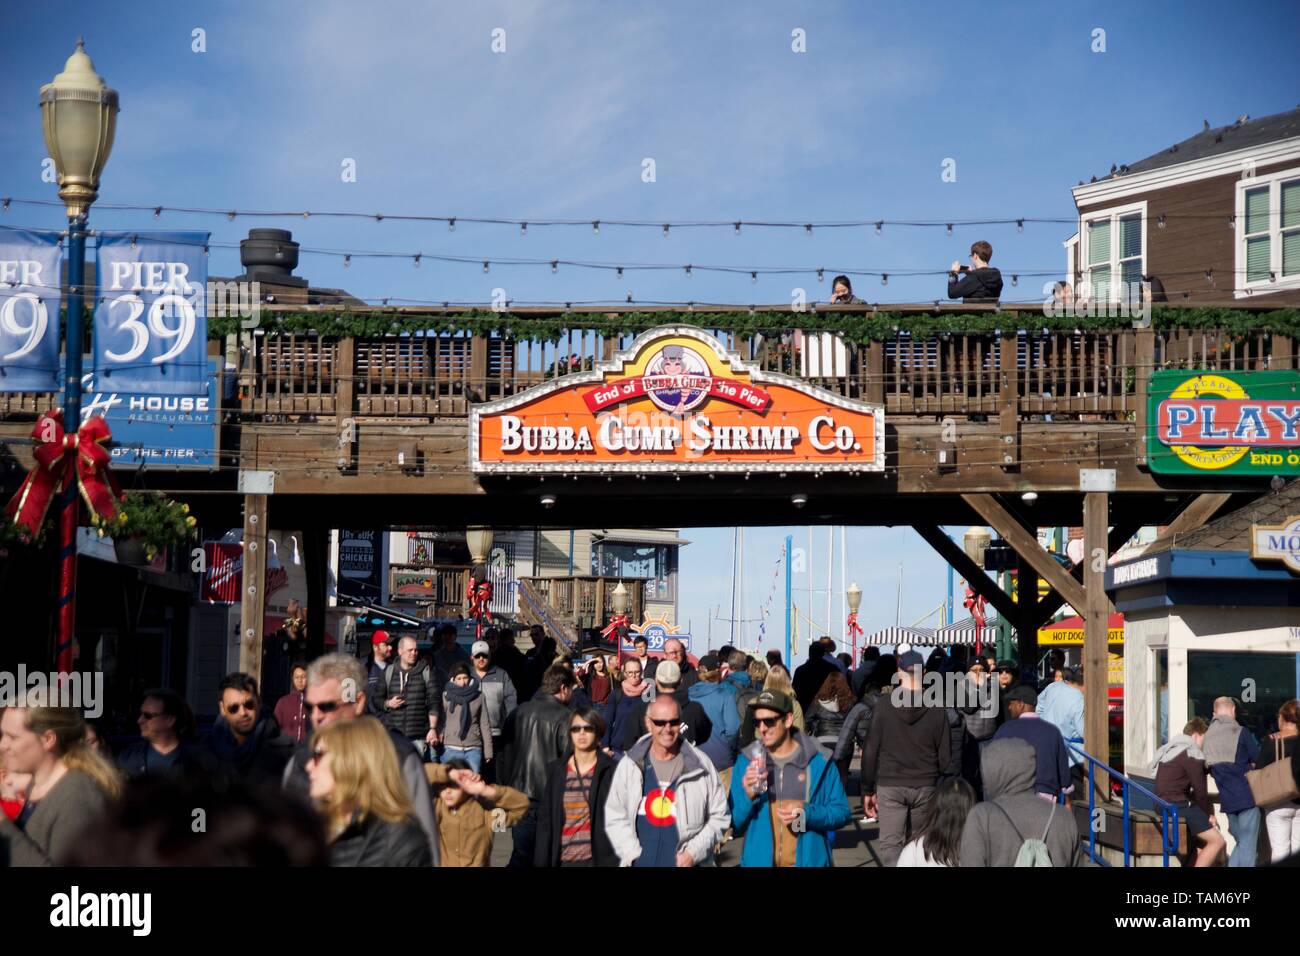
(975, 542)
(79, 116)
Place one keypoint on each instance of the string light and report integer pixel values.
(523, 229)
(884, 278)
(821, 274)
(485, 265)
(879, 223)
(347, 262)
(950, 229)
(665, 230)
(157, 212)
(1160, 221)
(595, 226)
(620, 272)
(1209, 276)
(753, 277)
(1020, 225)
(737, 231)
(688, 272)
(451, 224)
(1015, 280)
(230, 216)
(555, 265)
(807, 229)
(5, 203)
(379, 217)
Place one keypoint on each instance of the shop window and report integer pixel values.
(1270, 679)
(656, 563)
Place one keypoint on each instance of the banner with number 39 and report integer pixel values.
(29, 311)
(151, 325)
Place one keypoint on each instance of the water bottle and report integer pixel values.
(760, 765)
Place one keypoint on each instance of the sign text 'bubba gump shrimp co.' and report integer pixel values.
(675, 401)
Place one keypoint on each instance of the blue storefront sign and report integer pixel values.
(655, 635)
(29, 311)
(151, 328)
(160, 431)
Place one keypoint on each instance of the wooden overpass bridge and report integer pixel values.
(364, 416)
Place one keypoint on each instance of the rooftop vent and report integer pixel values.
(270, 256)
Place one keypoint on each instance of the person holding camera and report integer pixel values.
(977, 282)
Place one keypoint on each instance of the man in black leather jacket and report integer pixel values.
(535, 734)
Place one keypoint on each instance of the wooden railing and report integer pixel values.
(575, 599)
(1027, 372)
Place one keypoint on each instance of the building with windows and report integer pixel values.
(1203, 618)
(1214, 217)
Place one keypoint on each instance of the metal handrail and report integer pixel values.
(1168, 811)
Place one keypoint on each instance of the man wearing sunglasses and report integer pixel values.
(498, 697)
(666, 806)
(244, 742)
(337, 691)
(786, 797)
(165, 724)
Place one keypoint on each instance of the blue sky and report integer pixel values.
(558, 125)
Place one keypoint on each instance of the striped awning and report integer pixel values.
(922, 636)
(963, 633)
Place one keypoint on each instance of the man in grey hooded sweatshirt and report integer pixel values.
(1012, 812)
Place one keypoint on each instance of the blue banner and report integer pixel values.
(162, 432)
(29, 311)
(151, 325)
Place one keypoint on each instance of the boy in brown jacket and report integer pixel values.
(468, 812)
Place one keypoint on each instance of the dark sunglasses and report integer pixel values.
(146, 715)
(582, 729)
(671, 722)
(480, 657)
(768, 722)
(245, 705)
(327, 707)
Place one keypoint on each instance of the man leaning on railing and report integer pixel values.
(977, 282)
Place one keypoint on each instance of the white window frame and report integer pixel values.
(1242, 288)
(1114, 214)
(1071, 261)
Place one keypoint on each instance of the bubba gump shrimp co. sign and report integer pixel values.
(675, 401)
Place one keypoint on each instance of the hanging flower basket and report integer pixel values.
(131, 552)
(144, 524)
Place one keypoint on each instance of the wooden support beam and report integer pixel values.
(1096, 617)
(253, 595)
(974, 575)
(1026, 545)
(1202, 509)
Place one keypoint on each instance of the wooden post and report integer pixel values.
(1144, 359)
(1009, 402)
(253, 597)
(478, 364)
(875, 390)
(1096, 614)
(1027, 615)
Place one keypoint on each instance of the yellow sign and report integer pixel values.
(1052, 636)
(1115, 669)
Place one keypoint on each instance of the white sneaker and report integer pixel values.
(868, 819)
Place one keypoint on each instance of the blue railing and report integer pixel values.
(1168, 812)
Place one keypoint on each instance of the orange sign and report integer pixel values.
(676, 401)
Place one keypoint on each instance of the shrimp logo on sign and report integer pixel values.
(677, 379)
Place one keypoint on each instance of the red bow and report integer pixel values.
(59, 456)
(480, 596)
(616, 622)
(855, 629)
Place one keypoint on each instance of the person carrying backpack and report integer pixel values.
(413, 706)
(1014, 826)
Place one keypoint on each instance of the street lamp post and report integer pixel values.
(854, 596)
(79, 117)
(619, 599)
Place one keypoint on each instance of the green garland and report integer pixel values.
(857, 328)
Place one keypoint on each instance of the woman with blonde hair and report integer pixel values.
(778, 678)
(71, 783)
(356, 783)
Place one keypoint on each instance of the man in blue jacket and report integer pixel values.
(1230, 751)
(786, 797)
(719, 703)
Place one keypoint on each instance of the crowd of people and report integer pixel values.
(423, 759)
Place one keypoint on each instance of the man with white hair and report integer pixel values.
(336, 690)
(1231, 750)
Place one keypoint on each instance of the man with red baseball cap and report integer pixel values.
(381, 647)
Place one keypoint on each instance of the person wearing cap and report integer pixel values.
(499, 697)
(668, 681)
(381, 651)
(719, 703)
(908, 747)
(468, 731)
(666, 806)
(1008, 675)
(786, 797)
(1052, 776)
